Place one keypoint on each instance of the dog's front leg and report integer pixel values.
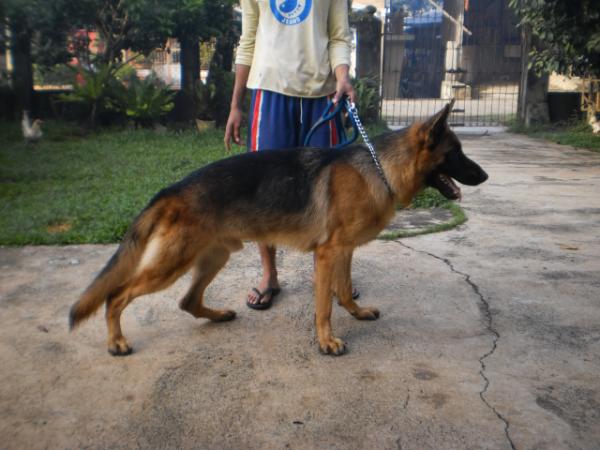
(342, 283)
(325, 260)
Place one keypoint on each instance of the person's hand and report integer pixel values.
(232, 130)
(344, 87)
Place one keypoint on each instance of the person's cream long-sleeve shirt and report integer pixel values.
(293, 46)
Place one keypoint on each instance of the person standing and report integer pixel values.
(294, 55)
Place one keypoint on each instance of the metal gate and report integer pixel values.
(436, 50)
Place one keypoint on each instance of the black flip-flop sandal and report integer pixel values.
(263, 305)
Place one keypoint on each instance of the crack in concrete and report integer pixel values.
(485, 308)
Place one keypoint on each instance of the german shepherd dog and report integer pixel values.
(326, 201)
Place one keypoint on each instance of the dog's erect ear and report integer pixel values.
(436, 125)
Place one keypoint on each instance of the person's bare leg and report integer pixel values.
(269, 277)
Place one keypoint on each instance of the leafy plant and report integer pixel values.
(213, 97)
(568, 35)
(221, 84)
(367, 99)
(143, 101)
(125, 71)
(93, 88)
(59, 74)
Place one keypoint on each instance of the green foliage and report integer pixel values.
(138, 25)
(113, 88)
(199, 20)
(124, 72)
(93, 89)
(205, 94)
(45, 24)
(220, 83)
(213, 97)
(59, 74)
(367, 99)
(568, 33)
(429, 198)
(576, 134)
(143, 101)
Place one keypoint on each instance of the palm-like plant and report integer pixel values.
(93, 88)
(143, 101)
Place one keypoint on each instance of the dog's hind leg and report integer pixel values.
(325, 262)
(170, 259)
(207, 267)
(343, 286)
(116, 303)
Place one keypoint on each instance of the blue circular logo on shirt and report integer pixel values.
(291, 12)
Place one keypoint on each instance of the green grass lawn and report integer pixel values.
(81, 189)
(430, 198)
(74, 187)
(575, 134)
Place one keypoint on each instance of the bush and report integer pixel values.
(93, 89)
(367, 99)
(221, 99)
(57, 75)
(213, 98)
(143, 101)
(125, 72)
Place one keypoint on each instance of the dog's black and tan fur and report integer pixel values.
(325, 201)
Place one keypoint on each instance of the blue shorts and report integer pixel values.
(278, 121)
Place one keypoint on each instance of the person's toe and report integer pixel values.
(252, 298)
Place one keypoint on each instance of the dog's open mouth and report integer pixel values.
(446, 185)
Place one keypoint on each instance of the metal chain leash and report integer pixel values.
(351, 107)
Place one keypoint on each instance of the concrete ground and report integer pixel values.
(489, 337)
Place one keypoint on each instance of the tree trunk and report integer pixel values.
(190, 74)
(533, 92)
(22, 66)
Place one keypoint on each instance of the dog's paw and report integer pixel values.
(367, 313)
(119, 347)
(333, 346)
(223, 315)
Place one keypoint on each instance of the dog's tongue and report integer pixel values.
(449, 182)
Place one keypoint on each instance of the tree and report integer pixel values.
(568, 33)
(40, 31)
(195, 21)
(37, 34)
(138, 25)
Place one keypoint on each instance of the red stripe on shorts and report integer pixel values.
(256, 121)
(333, 137)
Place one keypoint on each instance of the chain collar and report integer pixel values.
(351, 107)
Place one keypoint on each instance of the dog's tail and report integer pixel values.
(113, 279)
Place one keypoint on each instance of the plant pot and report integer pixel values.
(204, 125)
